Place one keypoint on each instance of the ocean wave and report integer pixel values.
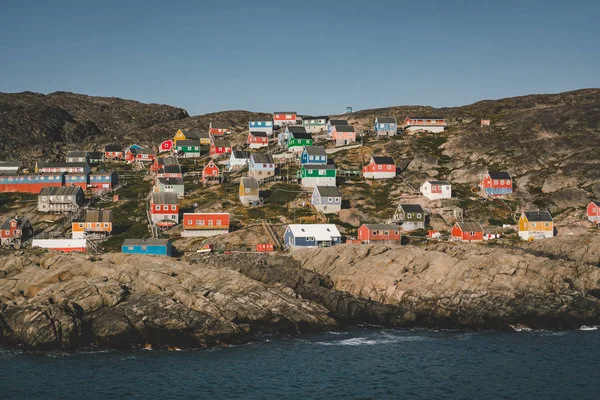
(384, 338)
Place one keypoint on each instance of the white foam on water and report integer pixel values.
(384, 338)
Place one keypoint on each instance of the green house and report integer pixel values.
(188, 148)
(299, 140)
(317, 175)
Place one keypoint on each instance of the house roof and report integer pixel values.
(383, 160)
(6, 223)
(98, 216)
(301, 135)
(60, 190)
(335, 122)
(315, 150)
(382, 227)
(439, 182)
(113, 147)
(386, 120)
(171, 181)
(411, 208)
(62, 164)
(167, 161)
(258, 133)
(315, 118)
(296, 129)
(344, 128)
(77, 153)
(596, 203)
(221, 143)
(328, 191)
(538, 216)
(188, 142)
(171, 169)
(219, 125)
(94, 155)
(164, 198)
(250, 182)
(203, 135)
(425, 118)
(470, 226)
(10, 163)
(190, 134)
(499, 175)
(318, 166)
(145, 242)
(262, 158)
(320, 232)
(285, 112)
(241, 154)
(136, 150)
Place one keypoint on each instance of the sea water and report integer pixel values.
(355, 364)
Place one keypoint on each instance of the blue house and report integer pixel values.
(385, 126)
(153, 247)
(311, 235)
(313, 155)
(261, 126)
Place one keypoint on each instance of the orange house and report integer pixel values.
(467, 232)
(210, 172)
(205, 224)
(379, 233)
(97, 222)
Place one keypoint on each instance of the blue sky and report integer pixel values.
(315, 57)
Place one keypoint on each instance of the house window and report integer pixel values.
(409, 215)
(322, 172)
(310, 239)
(201, 222)
(337, 199)
(389, 167)
(189, 222)
(386, 233)
(198, 222)
(196, 148)
(157, 208)
(218, 222)
(97, 225)
(106, 225)
(495, 181)
(472, 233)
(379, 167)
(547, 224)
(391, 126)
(210, 222)
(502, 181)
(381, 126)
(81, 225)
(533, 224)
(129, 247)
(144, 247)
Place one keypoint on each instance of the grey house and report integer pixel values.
(60, 199)
(327, 199)
(77, 157)
(412, 216)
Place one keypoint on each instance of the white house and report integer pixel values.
(239, 159)
(311, 235)
(435, 190)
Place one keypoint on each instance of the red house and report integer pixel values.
(467, 232)
(219, 129)
(281, 118)
(257, 139)
(133, 154)
(379, 233)
(164, 209)
(167, 145)
(205, 224)
(210, 172)
(113, 152)
(496, 184)
(218, 147)
(380, 168)
(15, 228)
(593, 212)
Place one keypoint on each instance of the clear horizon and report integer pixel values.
(312, 58)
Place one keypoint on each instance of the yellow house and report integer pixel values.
(249, 190)
(203, 136)
(536, 225)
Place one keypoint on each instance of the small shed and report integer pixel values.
(155, 247)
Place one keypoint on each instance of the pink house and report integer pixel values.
(343, 134)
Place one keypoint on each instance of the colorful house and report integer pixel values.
(204, 138)
(30, 183)
(60, 199)
(239, 159)
(317, 175)
(536, 225)
(170, 171)
(186, 135)
(427, 124)
(15, 230)
(152, 247)
(77, 167)
(343, 134)
(133, 154)
(189, 148)
(103, 180)
(386, 126)
(282, 118)
(170, 185)
(210, 172)
(379, 233)
(113, 152)
(436, 190)
(335, 122)
(380, 168)
(327, 199)
(164, 209)
(98, 223)
(77, 179)
(257, 139)
(219, 129)
(261, 165)
(298, 236)
(315, 124)
(205, 224)
(261, 126)
(249, 191)
(593, 212)
(313, 155)
(412, 216)
(77, 156)
(167, 145)
(496, 184)
(63, 245)
(467, 232)
(160, 162)
(220, 147)
(297, 141)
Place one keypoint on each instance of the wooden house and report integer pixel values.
(282, 118)
(103, 180)
(386, 126)
(297, 141)
(164, 209)
(327, 199)
(133, 154)
(467, 232)
(15, 230)
(170, 171)
(10, 167)
(311, 175)
(77, 179)
(412, 216)
(60, 199)
(379, 233)
(210, 173)
(167, 145)
(219, 129)
(261, 126)
(496, 184)
(189, 148)
(152, 247)
(77, 156)
(205, 224)
(170, 185)
(593, 212)
(95, 157)
(313, 155)
(249, 191)
(380, 168)
(298, 236)
(75, 167)
(261, 166)
(62, 245)
(343, 135)
(257, 139)
(30, 183)
(436, 190)
(536, 225)
(239, 159)
(335, 122)
(113, 152)
(97, 223)
(191, 135)
(220, 147)
(160, 162)
(315, 124)
(426, 124)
